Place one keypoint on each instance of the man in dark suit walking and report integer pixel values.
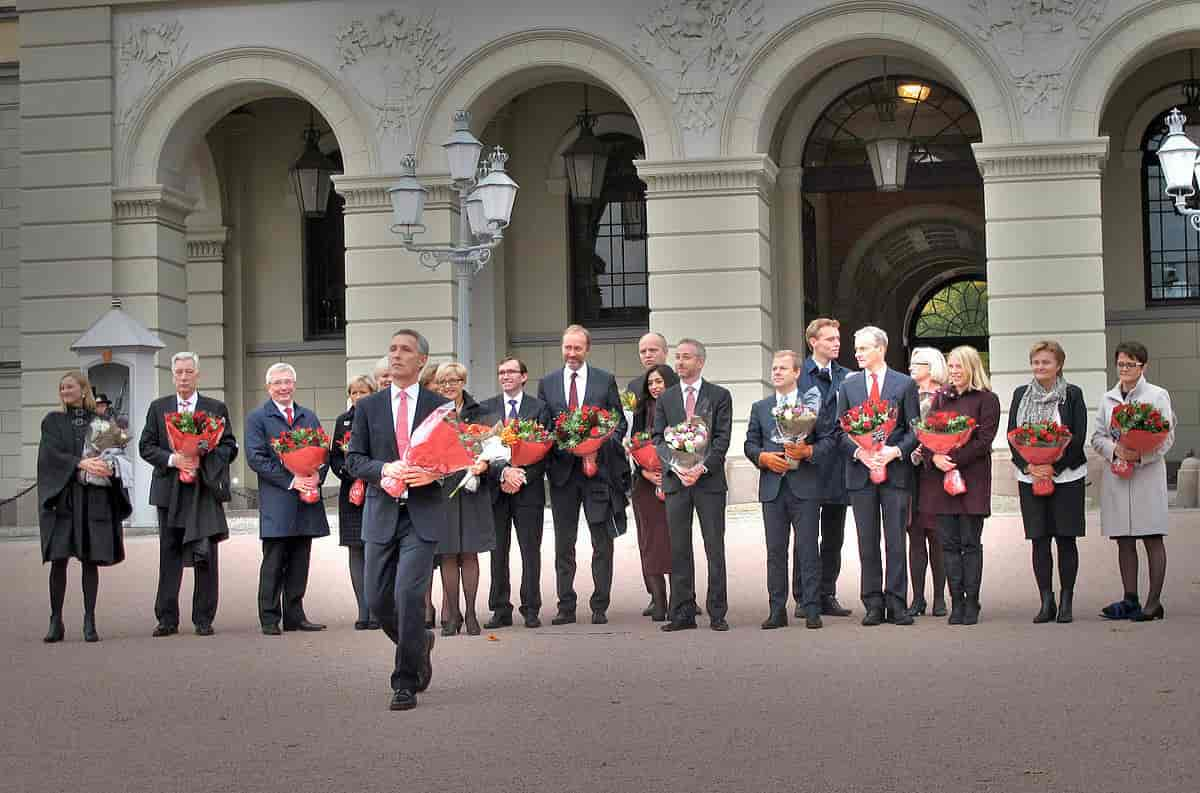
(576, 384)
(699, 489)
(519, 502)
(790, 488)
(891, 498)
(822, 371)
(286, 524)
(399, 533)
(191, 516)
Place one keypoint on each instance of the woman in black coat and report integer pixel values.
(1060, 515)
(349, 514)
(654, 537)
(81, 503)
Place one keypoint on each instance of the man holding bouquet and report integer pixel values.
(191, 515)
(870, 498)
(567, 389)
(287, 523)
(519, 502)
(699, 488)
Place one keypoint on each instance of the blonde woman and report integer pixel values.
(927, 366)
(349, 514)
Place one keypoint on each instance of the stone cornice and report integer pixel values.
(369, 193)
(207, 244)
(1051, 160)
(710, 176)
(154, 204)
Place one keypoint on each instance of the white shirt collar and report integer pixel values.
(413, 391)
(790, 398)
(516, 398)
(193, 401)
(283, 408)
(696, 385)
(582, 370)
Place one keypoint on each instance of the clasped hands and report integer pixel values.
(413, 477)
(690, 476)
(185, 463)
(880, 459)
(95, 466)
(1128, 455)
(778, 463)
(306, 484)
(512, 479)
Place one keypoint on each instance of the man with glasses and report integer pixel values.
(519, 502)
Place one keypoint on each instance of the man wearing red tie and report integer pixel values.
(603, 497)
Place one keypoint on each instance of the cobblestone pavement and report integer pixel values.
(1005, 706)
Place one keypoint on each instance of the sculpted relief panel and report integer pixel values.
(147, 54)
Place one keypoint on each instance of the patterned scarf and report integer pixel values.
(1039, 404)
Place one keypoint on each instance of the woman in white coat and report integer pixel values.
(1136, 507)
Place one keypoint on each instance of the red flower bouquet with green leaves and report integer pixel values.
(1139, 427)
(1040, 443)
(941, 433)
(583, 431)
(358, 490)
(868, 425)
(641, 449)
(527, 441)
(193, 434)
(303, 450)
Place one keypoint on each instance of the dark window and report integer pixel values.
(1172, 248)
(808, 220)
(325, 270)
(954, 314)
(609, 276)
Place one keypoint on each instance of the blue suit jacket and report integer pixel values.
(373, 443)
(900, 391)
(806, 481)
(832, 466)
(281, 513)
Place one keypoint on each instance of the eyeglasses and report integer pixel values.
(510, 372)
(452, 380)
(1130, 365)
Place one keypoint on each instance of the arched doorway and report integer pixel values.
(950, 314)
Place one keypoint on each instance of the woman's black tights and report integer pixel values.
(58, 587)
(1043, 563)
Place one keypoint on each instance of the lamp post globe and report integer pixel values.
(498, 191)
(408, 200)
(1177, 156)
(462, 148)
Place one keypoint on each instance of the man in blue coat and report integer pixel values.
(286, 524)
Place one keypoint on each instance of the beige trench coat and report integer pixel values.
(1137, 506)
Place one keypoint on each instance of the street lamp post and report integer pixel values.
(485, 200)
(1177, 155)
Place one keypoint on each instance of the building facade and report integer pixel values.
(145, 151)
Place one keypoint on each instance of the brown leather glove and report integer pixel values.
(798, 451)
(773, 461)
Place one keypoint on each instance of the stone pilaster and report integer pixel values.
(206, 304)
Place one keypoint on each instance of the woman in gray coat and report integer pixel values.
(1135, 507)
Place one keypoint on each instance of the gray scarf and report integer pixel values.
(1038, 404)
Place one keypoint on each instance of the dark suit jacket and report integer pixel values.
(373, 443)
(349, 516)
(714, 404)
(807, 481)
(901, 392)
(281, 513)
(533, 494)
(601, 393)
(1074, 415)
(832, 466)
(155, 448)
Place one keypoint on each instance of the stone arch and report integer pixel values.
(1134, 39)
(491, 76)
(187, 104)
(945, 276)
(817, 41)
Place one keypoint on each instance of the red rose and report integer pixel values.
(595, 432)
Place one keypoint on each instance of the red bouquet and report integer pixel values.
(358, 490)
(193, 434)
(436, 446)
(1139, 427)
(941, 433)
(528, 442)
(583, 431)
(303, 450)
(868, 425)
(1041, 444)
(642, 450)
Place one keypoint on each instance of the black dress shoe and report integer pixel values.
(271, 630)
(778, 619)
(373, 625)
(403, 700)
(533, 621)
(680, 625)
(305, 625)
(649, 610)
(55, 633)
(812, 618)
(499, 620)
(563, 618)
(204, 630)
(718, 624)
(599, 618)
(899, 616)
(89, 629)
(425, 670)
(874, 617)
(831, 608)
(361, 625)
(164, 630)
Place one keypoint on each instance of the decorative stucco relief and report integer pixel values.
(697, 47)
(397, 60)
(147, 55)
(1037, 40)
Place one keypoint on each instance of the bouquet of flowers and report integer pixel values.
(104, 440)
(629, 401)
(583, 431)
(436, 446)
(527, 441)
(793, 423)
(941, 433)
(688, 441)
(1040, 444)
(1139, 427)
(358, 490)
(303, 450)
(868, 425)
(487, 446)
(641, 449)
(193, 434)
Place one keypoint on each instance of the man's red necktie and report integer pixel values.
(288, 412)
(402, 426)
(874, 388)
(573, 400)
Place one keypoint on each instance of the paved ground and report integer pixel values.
(1005, 706)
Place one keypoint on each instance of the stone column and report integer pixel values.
(788, 250)
(1045, 267)
(709, 255)
(386, 287)
(206, 304)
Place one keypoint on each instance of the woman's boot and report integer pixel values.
(954, 580)
(89, 628)
(1049, 611)
(1064, 606)
(658, 597)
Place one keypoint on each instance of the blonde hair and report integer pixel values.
(362, 379)
(580, 329)
(796, 359)
(85, 386)
(936, 361)
(451, 367)
(428, 374)
(968, 358)
(817, 325)
(1052, 347)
